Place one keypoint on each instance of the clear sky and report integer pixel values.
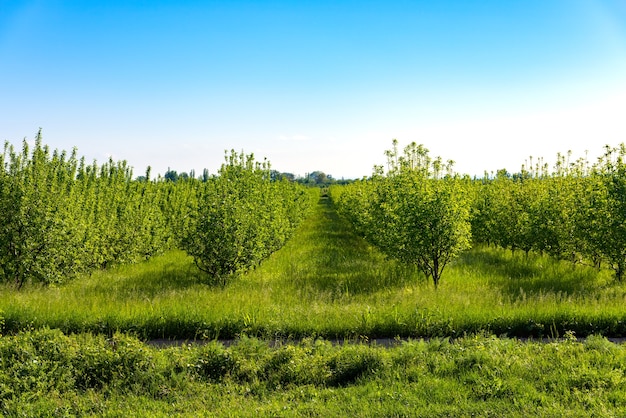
(314, 85)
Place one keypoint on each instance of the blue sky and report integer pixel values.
(314, 85)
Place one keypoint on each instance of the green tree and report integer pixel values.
(606, 214)
(418, 212)
(241, 216)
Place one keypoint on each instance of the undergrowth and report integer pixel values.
(48, 373)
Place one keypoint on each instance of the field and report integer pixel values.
(325, 284)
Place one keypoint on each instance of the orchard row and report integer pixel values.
(421, 212)
(62, 216)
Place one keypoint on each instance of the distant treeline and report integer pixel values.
(315, 178)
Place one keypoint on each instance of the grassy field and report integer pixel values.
(77, 349)
(45, 373)
(328, 283)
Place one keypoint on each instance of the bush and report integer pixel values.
(352, 363)
(214, 362)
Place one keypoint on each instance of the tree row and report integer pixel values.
(420, 212)
(62, 216)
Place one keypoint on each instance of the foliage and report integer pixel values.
(47, 373)
(607, 211)
(241, 217)
(414, 213)
(62, 217)
(574, 212)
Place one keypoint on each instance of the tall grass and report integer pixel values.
(46, 373)
(328, 282)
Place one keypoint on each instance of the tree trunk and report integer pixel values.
(619, 271)
(436, 271)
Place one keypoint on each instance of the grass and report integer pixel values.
(328, 282)
(45, 373)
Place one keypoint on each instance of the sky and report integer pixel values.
(314, 85)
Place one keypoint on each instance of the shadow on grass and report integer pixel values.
(170, 272)
(341, 263)
(531, 274)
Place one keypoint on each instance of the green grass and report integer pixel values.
(45, 373)
(327, 282)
